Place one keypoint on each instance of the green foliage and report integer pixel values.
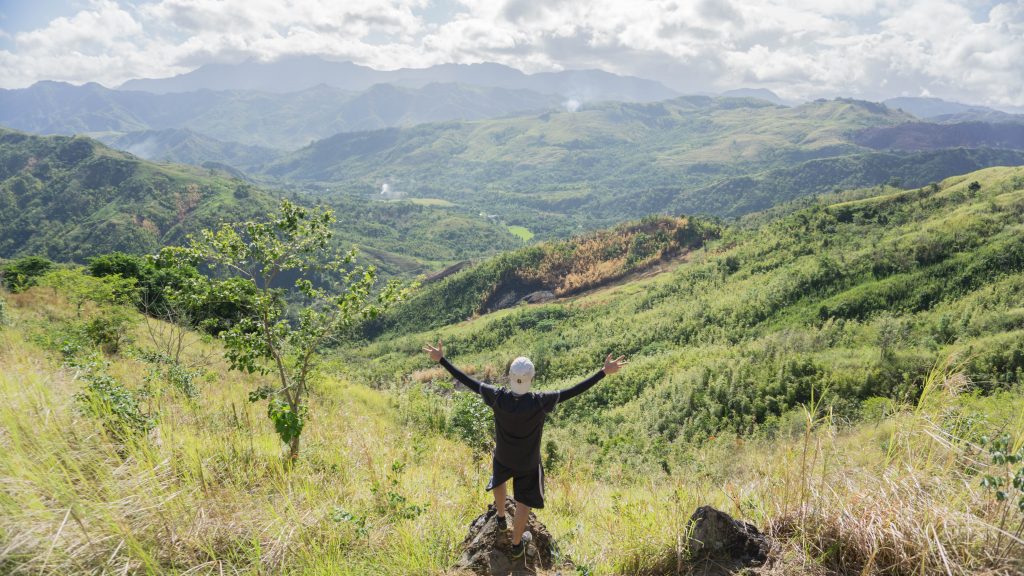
(390, 501)
(80, 288)
(471, 422)
(563, 268)
(288, 422)
(175, 291)
(358, 523)
(737, 336)
(108, 400)
(171, 371)
(110, 329)
(250, 259)
(22, 273)
(69, 198)
(1005, 482)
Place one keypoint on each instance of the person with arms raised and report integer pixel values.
(519, 416)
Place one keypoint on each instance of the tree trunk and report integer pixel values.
(293, 448)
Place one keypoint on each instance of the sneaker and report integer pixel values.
(502, 522)
(518, 550)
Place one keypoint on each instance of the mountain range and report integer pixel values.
(283, 121)
(939, 110)
(607, 162)
(298, 73)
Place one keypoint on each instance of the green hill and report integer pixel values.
(605, 163)
(843, 301)
(69, 198)
(785, 372)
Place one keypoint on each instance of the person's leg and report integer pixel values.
(529, 494)
(519, 522)
(499, 499)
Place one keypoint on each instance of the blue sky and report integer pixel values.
(966, 50)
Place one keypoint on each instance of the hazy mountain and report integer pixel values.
(929, 136)
(187, 147)
(759, 93)
(286, 75)
(938, 110)
(302, 72)
(283, 121)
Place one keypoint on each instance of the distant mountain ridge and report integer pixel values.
(931, 136)
(939, 110)
(759, 93)
(293, 74)
(185, 146)
(272, 120)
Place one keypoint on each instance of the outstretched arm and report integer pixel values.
(610, 367)
(437, 355)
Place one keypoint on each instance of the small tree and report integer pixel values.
(294, 243)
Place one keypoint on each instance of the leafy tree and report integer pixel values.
(22, 273)
(254, 258)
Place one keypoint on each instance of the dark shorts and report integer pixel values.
(527, 485)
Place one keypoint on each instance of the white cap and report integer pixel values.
(520, 375)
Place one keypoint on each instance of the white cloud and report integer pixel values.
(800, 48)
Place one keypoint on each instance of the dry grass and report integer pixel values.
(208, 492)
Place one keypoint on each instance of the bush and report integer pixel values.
(471, 421)
(108, 400)
(109, 330)
(17, 275)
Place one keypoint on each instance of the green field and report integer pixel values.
(523, 233)
(431, 202)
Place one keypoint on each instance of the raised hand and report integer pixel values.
(613, 366)
(436, 353)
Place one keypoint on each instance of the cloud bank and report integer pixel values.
(967, 50)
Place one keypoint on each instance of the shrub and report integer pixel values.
(108, 400)
(109, 330)
(471, 422)
(17, 275)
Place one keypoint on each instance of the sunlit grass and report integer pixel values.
(523, 233)
(209, 491)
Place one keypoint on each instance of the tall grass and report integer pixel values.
(208, 492)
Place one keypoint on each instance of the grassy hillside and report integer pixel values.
(179, 473)
(71, 198)
(849, 302)
(554, 269)
(605, 163)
